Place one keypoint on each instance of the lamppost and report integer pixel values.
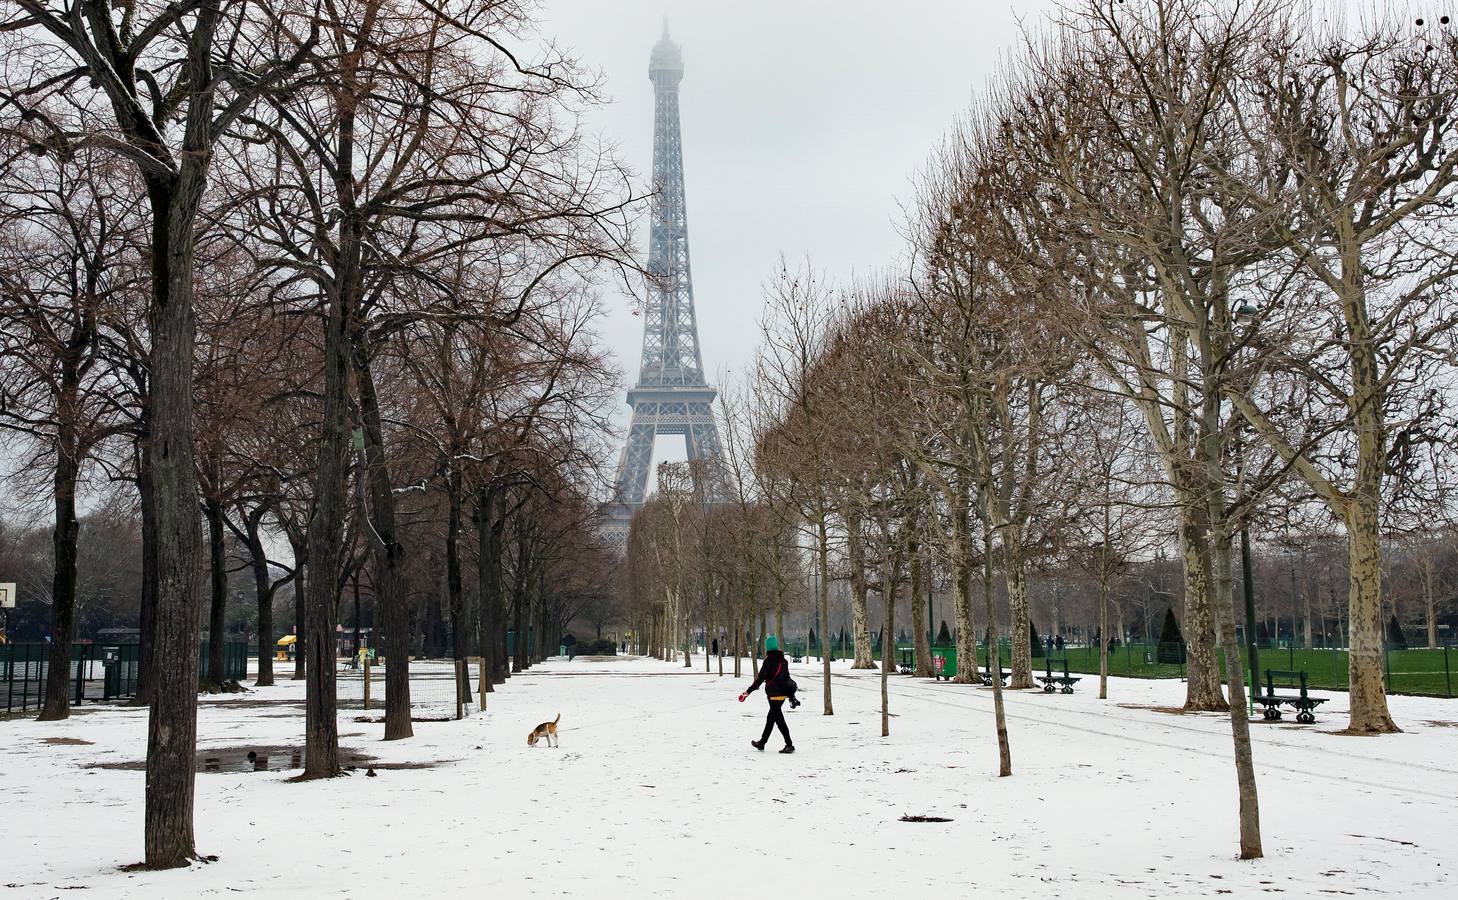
(1250, 637)
(815, 604)
(930, 617)
(1246, 312)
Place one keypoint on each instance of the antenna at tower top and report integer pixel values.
(666, 60)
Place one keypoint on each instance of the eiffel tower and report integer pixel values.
(671, 396)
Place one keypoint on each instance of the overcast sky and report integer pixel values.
(803, 124)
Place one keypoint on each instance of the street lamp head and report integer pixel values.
(1246, 310)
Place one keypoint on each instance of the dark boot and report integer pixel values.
(788, 748)
(758, 745)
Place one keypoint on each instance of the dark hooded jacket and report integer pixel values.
(774, 674)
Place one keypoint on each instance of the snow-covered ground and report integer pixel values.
(656, 792)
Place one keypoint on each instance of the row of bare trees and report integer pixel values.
(1182, 267)
(317, 272)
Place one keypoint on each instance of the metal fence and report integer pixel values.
(434, 687)
(98, 672)
(1428, 672)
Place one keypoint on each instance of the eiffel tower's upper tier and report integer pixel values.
(671, 357)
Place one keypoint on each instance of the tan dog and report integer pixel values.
(547, 730)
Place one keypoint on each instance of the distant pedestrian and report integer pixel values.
(774, 674)
(1059, 642)
(716, 647)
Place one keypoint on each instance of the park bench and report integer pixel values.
(1304, 704)
(986, 676)
(1053, 682)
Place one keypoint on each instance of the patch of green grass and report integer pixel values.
(1431, 673)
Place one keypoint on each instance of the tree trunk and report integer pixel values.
(919, 623)
(1430, 611)
(1104, 630)
(686, 629)
(503, 659)
(1202, 685)
(1369, 714)
(355, 643)
(148, 605)
(780, 613)
(1222, 606)
(822, 554)
(889, 577)
(488, 587)
(315, 602)
(518, 591)
(218, 580)
(1308, 638)
(738, 645)
(301, 607)
(1017, 602)
(1250, 815)
(994, 662)
(263, 592)
(64, 535)
(958, 557)
(860, 615)
(390, 595)
(172, 723)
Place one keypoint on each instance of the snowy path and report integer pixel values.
(1314, 760)
(655, 791)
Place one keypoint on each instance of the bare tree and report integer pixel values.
(159, 85)
(790, 447)
(70, 258)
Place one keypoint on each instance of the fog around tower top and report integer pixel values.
(803, 124)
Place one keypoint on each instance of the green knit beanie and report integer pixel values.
(771, 643)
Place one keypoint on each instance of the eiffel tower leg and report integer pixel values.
(703, 442)
(633, 474)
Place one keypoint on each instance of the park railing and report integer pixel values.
(98, 672)
(1428, 672)
(1424, 672)
(439, 688)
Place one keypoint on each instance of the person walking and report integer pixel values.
(774, 674)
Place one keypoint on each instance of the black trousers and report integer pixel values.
(776, 717)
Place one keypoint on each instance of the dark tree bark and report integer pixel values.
(263, 590)
(299, 545)
(218, 607)
(389, 553)
(488, 578)
(520, 650)
(173, 165)
(63, 582)
(172, 726)
(148, 606)
(318, 606)
(460, 629)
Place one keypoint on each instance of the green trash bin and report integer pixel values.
(944, 662)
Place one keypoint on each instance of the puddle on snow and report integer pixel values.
(271, 759)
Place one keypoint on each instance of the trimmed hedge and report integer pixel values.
(599, 647)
